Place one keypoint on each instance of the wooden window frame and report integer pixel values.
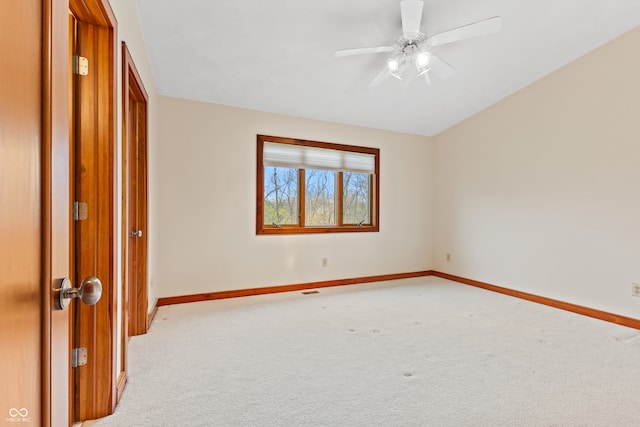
(300, 228)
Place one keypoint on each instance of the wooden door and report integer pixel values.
(20, 216)
(135, 101)
(93, 191)
(34, 213)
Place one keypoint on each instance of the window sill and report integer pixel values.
(316, 230)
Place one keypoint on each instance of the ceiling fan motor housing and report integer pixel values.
(409, 51)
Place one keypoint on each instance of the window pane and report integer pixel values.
(299, 182)
(320, 197)
(356, 198)
(280, 196)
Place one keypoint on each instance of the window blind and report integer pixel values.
(305, 157)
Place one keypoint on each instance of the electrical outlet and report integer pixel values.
(635, 289)
(325, 262)
(448, 257)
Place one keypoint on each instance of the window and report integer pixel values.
(315, 187)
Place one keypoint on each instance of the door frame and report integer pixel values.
(134, 293)
(135, 95)
(55, 203)
(95, 391)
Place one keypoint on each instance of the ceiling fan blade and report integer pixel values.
(411, 12)
(408, 78)
(476, 29)
(440, 68)
(363, 50)
(382, 75)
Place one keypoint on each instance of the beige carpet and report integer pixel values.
(416, 352)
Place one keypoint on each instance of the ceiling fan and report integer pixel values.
(411, 54)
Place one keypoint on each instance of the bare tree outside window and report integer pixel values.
(320, 196)
(356, 197)
(280, 195)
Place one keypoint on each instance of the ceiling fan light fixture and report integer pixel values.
(422, 60)
(393, 65)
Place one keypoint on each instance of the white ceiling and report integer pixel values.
(278, 55)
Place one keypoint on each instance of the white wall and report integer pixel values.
(129, 31)
(206, 204)
(541, 192)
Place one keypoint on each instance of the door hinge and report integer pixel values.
(80, 211)
(78, 357)
(80, 65)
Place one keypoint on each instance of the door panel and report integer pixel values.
(140, 200)
(20, 219)
(34, 221)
